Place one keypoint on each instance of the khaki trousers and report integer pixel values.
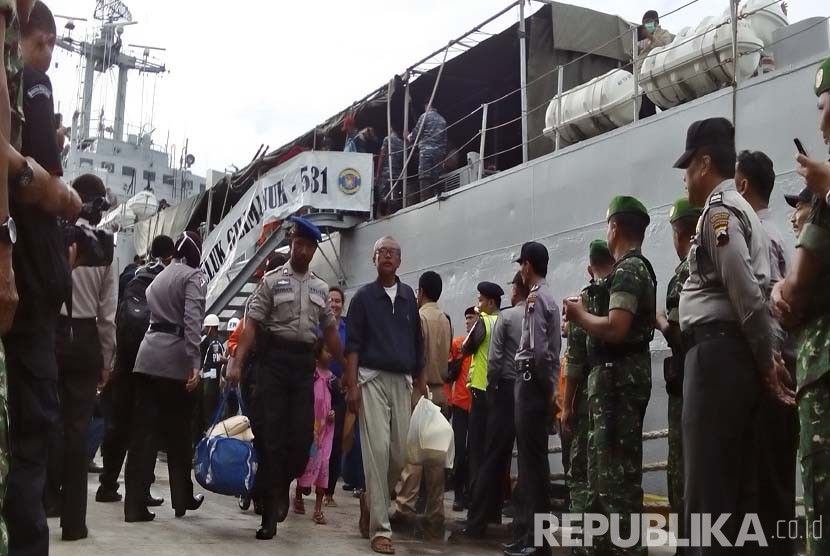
(434, 476)
(384, 423)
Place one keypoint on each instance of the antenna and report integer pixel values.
(112, 11)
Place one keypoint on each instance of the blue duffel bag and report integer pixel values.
(225, 465)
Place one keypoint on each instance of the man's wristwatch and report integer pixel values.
(8, 232)
(25, 177)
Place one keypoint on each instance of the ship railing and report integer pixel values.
(399, 188)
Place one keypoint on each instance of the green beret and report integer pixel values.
(823, 78)
(598, 248)
(623, 204)
(682, 208)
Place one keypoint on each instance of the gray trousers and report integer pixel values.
(384, 423)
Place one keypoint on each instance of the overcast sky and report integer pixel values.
(246, 73)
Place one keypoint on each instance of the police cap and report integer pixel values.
(682, 208)
(490, 290)
(712, 132)
(535, 253)
(823, 78)
(304, 228)
(623, 204)
(804, 196)
(598, 248)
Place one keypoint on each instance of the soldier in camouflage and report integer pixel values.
(619, 384)
(683, 218)
(801, 303)
(575, 398)
(430, 136)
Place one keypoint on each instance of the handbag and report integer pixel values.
(222, 463)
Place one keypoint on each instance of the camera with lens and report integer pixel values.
(94, 247)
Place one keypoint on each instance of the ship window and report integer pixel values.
(86, 163)
(109, 166)
(149, 176)
(128, 171)
(168, 179)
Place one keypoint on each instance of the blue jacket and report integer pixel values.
(386, 337)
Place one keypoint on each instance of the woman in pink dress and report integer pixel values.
(317, 469)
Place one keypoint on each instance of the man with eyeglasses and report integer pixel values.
(384, 361)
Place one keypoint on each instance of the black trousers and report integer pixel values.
(161, 416)
(117, 404)
(206, 400)
(476, 435)
(487, 497)
(460, 424)
(284, 429)
(532, 416)
(721, 392)
(338, 402)
(79, 365)
(33, 412)
(778, 427)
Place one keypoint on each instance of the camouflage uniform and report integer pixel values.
(619, 387)
(14, 79)
(432, 150)
(813, 374)
(673, 367)
(578, 367)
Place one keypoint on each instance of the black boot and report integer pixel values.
(282, 503)
(194, 504)
(269, 519)
(138, 515)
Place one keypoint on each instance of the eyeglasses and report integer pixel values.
(388, 252)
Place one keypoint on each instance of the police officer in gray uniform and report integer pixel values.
(537, 367)
(286, 309)
(728, 333)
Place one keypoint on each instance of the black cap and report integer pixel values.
(489, 289)
(805, 196)
(712, 132)
(535, 253)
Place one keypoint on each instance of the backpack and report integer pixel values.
(132, 318)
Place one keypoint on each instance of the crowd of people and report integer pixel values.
(330, 395)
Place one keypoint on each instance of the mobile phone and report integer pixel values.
(799, 146)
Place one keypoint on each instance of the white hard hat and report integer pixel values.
(211, 320)
(232, 324)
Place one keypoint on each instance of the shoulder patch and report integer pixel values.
(720, 227)
(39, 90)
(716, 198)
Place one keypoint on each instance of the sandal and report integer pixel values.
(319, 518)
(363, 523)
(299, 505)
(382, 545)
(329, 503)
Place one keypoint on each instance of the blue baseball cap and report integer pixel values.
(305, 228)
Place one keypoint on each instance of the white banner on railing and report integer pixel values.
(318, 179)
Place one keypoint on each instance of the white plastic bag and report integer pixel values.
(430, 438)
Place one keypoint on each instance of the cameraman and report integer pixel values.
(85, 351)
(37, 195)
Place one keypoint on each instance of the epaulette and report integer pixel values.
(535, 288)
(716, 198)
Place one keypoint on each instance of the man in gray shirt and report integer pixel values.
(537, 365)
(487, 493)
(755, 178)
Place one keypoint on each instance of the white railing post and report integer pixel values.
(636, 72)
(560, 72)
(483, 137)
(523, 76)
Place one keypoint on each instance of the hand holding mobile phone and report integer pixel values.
(800, 146)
